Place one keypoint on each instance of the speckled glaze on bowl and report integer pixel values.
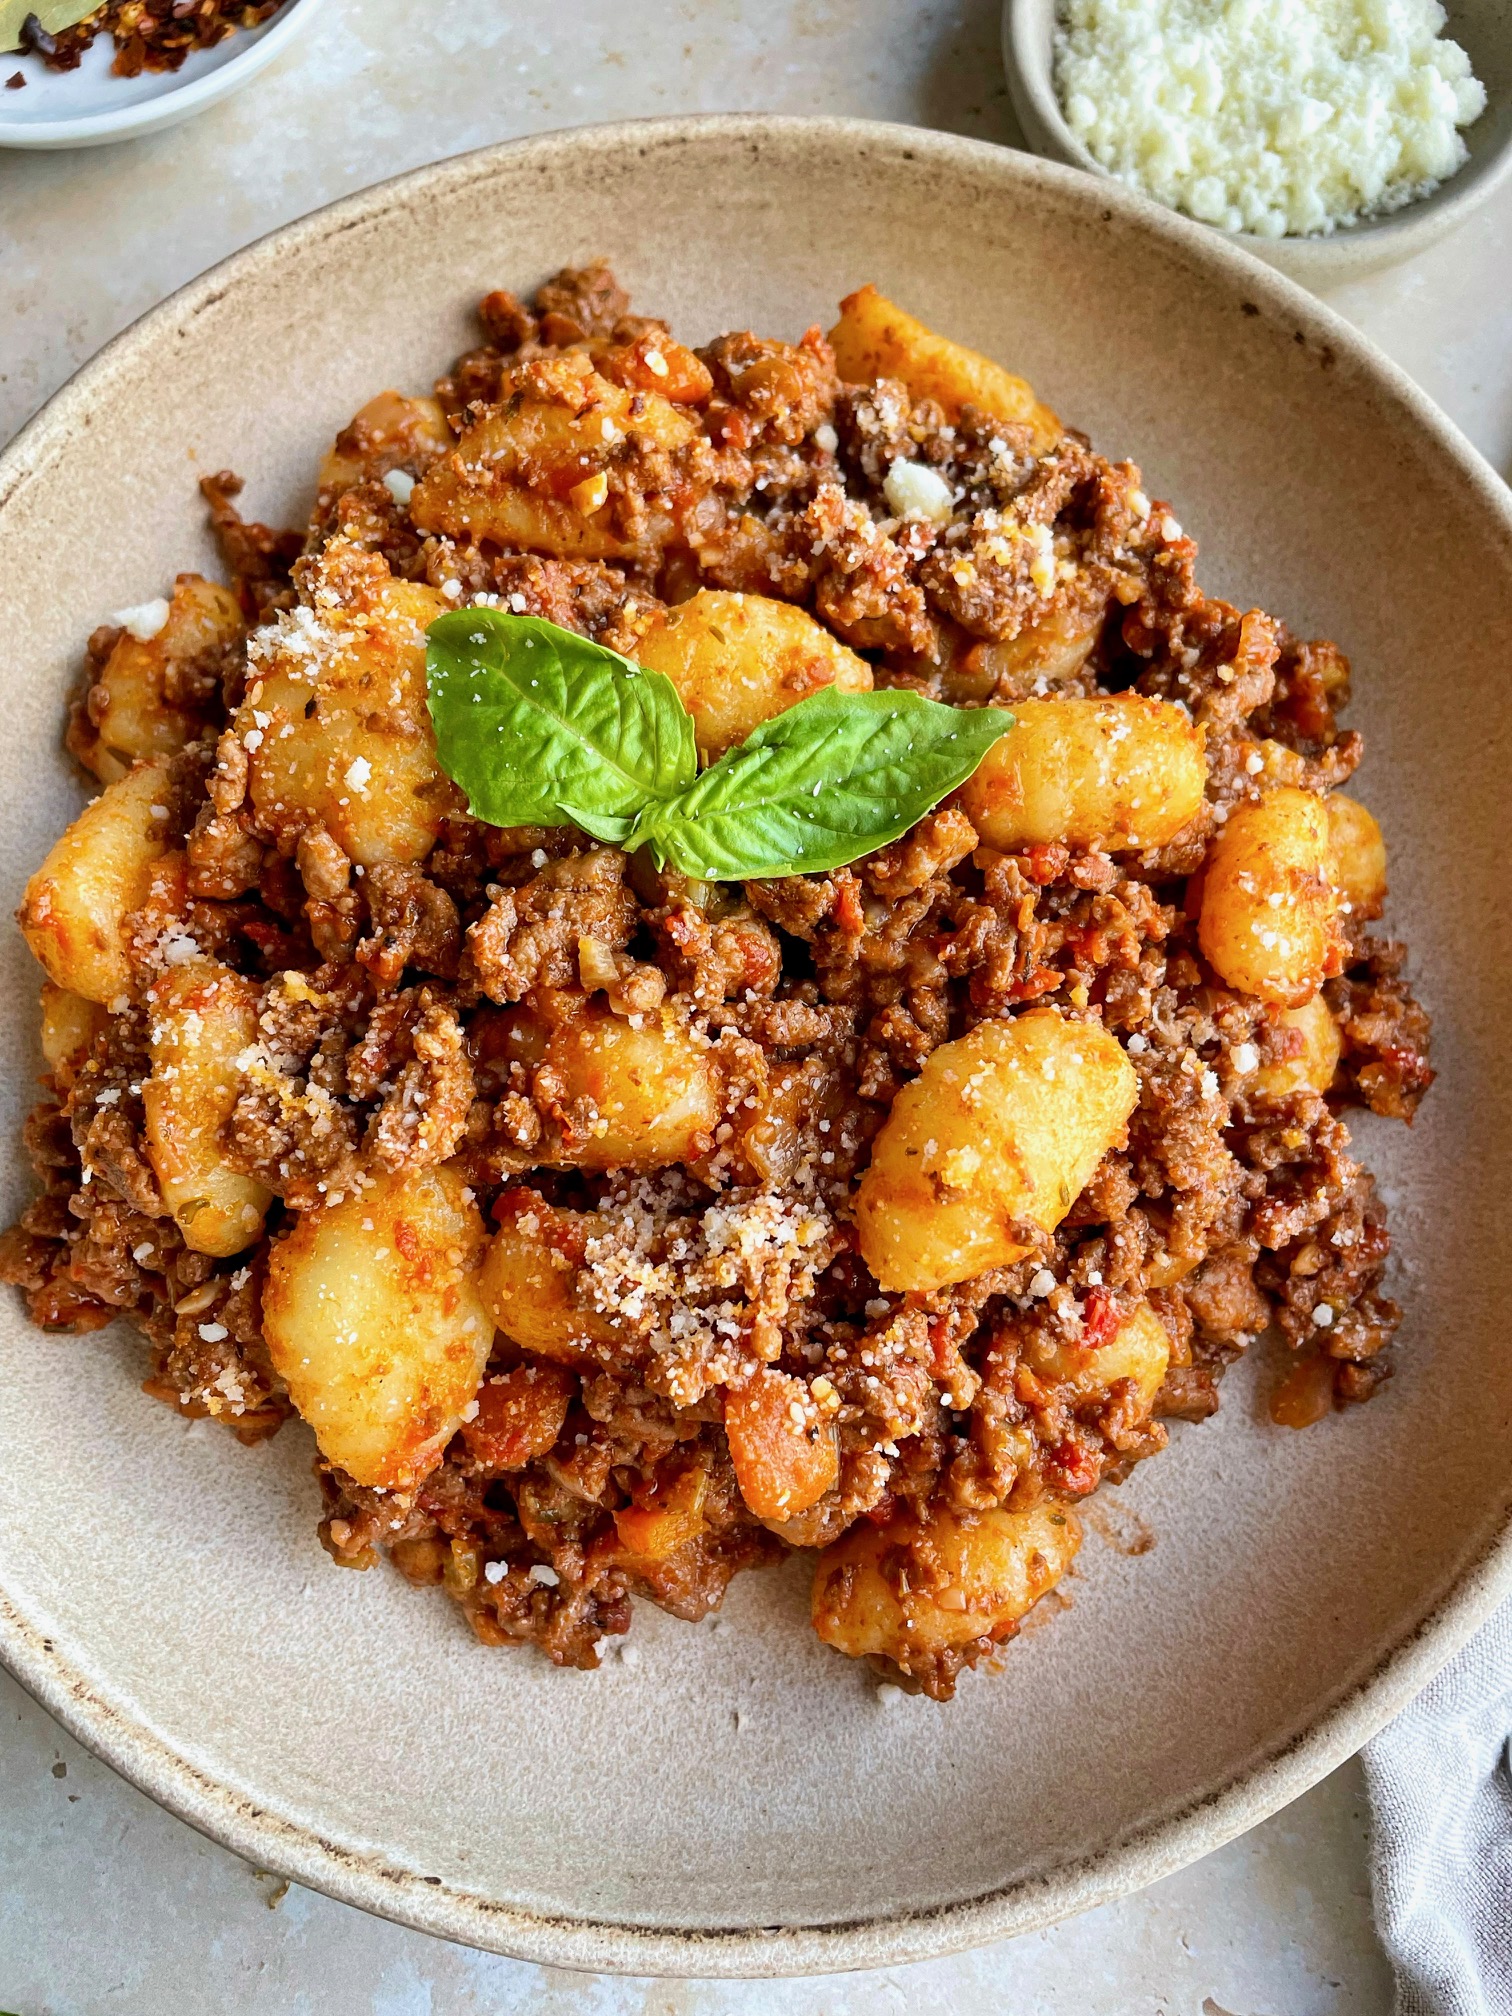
(1482, 27)
(738, 1800)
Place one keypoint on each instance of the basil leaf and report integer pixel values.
(541, 727)
(820, 785)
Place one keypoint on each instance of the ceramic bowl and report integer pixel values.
(88, 106)
(1482, 27)
(739, 1799)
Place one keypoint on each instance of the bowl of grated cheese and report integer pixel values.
(1329, 137)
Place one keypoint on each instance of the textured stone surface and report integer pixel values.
(108, 1902)
(93, 239)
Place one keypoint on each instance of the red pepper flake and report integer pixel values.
(148, 34)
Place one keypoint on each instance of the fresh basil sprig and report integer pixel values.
(541, 727)
(819, 784)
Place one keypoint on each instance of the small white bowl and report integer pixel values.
(1482, 27)
(88, 106)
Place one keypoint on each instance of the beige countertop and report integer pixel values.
(106, 1903)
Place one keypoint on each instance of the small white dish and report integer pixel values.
(1482, 27)
(90, 105)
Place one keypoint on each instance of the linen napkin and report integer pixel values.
(1440, 1784)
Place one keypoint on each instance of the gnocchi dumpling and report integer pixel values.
(874, 338)
(1268, 924)
(74, 912)
(1053, 648)
(912, 1589)
(1004, 1124)
(520, 1415)
(150, 697)
(390, 432)
(1114, 772)
(528, 1275)
(736, 660)
(70, 1025)
(335, 721)
(629, 1098)
(1358, 852)
(201, 1017)
(375, 1320)
(535, 471)
(1312, 1068)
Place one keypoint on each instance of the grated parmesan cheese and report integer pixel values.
(177, 948)
(1277, 117)
(145, 620)
(914, 490)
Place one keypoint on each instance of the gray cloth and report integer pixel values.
(1441, 1802)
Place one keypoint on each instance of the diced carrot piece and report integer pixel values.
(782, 1446)
(654, 363)
(666, 1517)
